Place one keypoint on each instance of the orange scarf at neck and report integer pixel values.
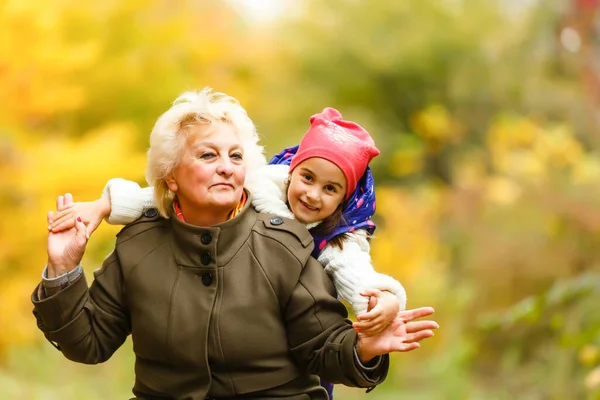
(232, 214)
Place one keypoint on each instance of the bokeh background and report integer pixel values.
(486, 113)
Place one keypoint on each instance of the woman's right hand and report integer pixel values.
(404, 334)
(65, 248)
(91, 213)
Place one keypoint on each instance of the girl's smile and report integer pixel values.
(309, 207)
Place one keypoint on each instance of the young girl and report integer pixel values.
(325, 183)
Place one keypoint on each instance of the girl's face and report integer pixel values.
(317, 187)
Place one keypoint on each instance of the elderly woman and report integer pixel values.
(221, 302)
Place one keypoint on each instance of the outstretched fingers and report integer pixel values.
(404, 347)
(50, 218)
(418, 336)
(68, 201)
(416, 326)
(60, 201)
(410, 315)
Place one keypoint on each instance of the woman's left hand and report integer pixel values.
(66, 248)
(381, 315)
(404, 334)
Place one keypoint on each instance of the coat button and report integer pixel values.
(205, 238)
(151, 213)
(205, 258)
(276, 221)
(207, 279)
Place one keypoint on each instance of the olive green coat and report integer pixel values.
(236, 310)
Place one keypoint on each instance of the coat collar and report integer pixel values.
(212, 246)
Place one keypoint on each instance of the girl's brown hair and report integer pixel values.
(329, 224)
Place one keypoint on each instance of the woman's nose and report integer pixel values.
(225, 167)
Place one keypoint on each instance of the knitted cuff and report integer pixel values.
(386, 282)
(128, 201)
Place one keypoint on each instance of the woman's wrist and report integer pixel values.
(363, 355)
(104, 206)
(54, 271)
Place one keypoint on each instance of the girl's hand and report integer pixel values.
(91, 213)
(380, 316)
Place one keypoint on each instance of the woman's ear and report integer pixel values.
(171, 183)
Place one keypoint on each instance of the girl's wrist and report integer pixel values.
(104, 205)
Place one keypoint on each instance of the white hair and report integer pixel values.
(168, 139)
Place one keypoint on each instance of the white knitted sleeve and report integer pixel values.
(127, 200)
(352, 272)
(268, 187)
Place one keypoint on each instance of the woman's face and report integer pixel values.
(317, 187)
(210, 178)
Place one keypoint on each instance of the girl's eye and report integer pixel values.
(307, 177)
(330, 188)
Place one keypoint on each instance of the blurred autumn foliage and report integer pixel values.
(486, 113)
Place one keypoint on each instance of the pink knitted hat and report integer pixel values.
(344, 143)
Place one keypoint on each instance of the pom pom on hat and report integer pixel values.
(344, 143)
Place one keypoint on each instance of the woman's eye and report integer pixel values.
(206, 156)
(237, 156)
